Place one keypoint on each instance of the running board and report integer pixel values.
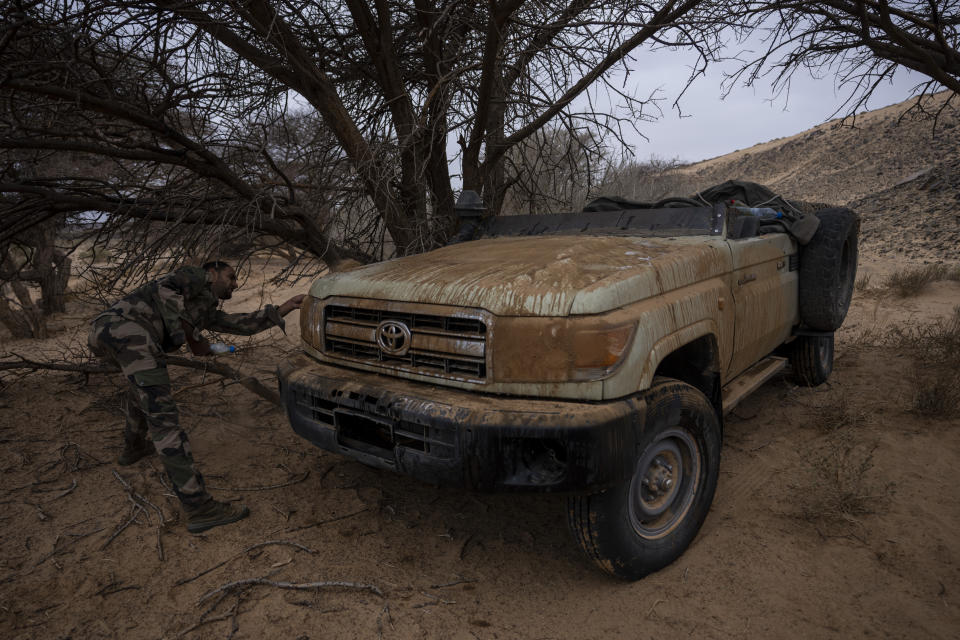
(748, 381)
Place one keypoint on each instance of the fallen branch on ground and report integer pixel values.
(76, 538)
(79, 456)
(135, 510)
(302, 586)
(247, 550)
(140, 504)
(273, 486)
(327, 521)
(63, 491)
(451, 584)
(115, 586)
(231, 614)
(247, 382)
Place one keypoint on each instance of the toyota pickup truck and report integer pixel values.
(591, 353)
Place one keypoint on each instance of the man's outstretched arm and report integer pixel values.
(293, 303)
(245, 324)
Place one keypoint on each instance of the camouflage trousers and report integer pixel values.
(149, 406)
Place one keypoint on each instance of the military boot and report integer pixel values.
(134, 450)
(213, 514)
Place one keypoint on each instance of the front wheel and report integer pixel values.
(645, 523)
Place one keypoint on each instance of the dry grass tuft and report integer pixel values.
(936, 396)
(911, 282)
(841, 489)
(837, 488)
(863, 283)
(836, 413)
(934, 386)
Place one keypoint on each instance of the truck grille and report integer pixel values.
(450, 346)
(363, 425)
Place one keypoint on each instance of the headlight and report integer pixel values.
(558, 349)
(311, 322)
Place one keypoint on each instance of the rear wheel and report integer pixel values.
(811, 358)
(647, 522)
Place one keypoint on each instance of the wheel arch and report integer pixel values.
(691, 355)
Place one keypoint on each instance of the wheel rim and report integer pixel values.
(664, 483)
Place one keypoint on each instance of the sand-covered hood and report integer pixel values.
(543, 275)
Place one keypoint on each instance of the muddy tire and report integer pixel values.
(811, 358)
(647, 522)
(828, 269)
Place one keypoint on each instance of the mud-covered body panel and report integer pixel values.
(552, 276)
(462, 439)
(666, 286)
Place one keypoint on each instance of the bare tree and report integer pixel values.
(862, 42)
(19, 312)
(35, 261)
(648, 181)
(182, 108)
(552, 171)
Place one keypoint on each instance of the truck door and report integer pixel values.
(765, 288)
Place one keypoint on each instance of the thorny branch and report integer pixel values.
(10, 362)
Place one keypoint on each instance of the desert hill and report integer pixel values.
(898, 169)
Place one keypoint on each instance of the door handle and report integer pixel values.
(750, 277)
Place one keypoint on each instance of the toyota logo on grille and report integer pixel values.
(393, 337)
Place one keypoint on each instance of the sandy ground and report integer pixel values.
(777, 557)
(836, 516)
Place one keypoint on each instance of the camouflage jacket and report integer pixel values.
(185, 294)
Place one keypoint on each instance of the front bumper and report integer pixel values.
(458, 438)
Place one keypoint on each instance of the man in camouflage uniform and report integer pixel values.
(136, 332)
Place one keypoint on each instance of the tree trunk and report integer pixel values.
(52, 268)
(15, 321)
(26, 322)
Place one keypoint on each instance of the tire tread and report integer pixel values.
(809, 369)
(825, 289)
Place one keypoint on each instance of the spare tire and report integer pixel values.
(828, 269)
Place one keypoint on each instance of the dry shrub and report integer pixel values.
(935, 384)
(837, 488)
(934, 387)
(836, 413)
(936, 396)
(841, 490)
(911, 282)
(648, 181)
(863, 283)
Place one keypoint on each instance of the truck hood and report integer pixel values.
(537, 276)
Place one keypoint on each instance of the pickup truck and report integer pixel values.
(591, 353)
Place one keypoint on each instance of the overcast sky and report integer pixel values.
(712, 127)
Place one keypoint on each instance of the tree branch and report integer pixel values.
(248, 382)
